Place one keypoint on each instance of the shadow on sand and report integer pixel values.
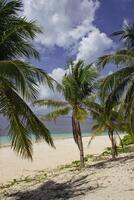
(51, 190)
(111, 162)
(76, 187)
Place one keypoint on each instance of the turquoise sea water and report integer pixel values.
(59, 129)
(6, 139)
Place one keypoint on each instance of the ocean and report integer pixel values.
(5, 140)
(59, 129)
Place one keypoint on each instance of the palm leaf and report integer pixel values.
(16, 32)
(81, 114)
(22, 121)
(110, 83)
(57, 113)
(50, 103)
(127, 35)
(24, 77)
(117, 94)
(120, 57)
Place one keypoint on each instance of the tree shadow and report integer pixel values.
(109, 163)
(52, 190)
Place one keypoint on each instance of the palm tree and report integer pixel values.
(126, 35)
(19, 80)
(118, 87)
(112, 123)
(77, 85)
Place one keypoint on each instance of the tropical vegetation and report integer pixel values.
(128, 140)
(117, 89)
(18, 79)
(102, 122)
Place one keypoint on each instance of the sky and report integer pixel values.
(75, 29)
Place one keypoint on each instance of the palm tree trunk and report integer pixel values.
(78, 139)
(74, 130)
(113, 142)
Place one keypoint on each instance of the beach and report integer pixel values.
(45, 157)
(101, 179)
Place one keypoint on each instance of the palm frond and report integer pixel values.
(22, 120)
(116, 33)
(120, 57)
(50, 103)
(129, 109)
(116, 95)
(16, 33)
(92, 105)
(97, 129)
(81, 114)
(78, 83)
(126, 35)
(24, 77)
(57, 113)
(109, 84)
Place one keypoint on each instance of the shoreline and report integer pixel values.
(45, 157)
(55, 139)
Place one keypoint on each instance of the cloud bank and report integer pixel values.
(69, 24)
(93, 45)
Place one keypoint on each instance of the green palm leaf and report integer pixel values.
(114, 82)
(119, 58)
(24, 77)
(22, 121)
(126, 35)
(50, 103)
(57, 113)
(19, 80)
(16, 32)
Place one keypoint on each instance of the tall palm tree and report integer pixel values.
(19, 80)
(111, 122)
(77, 85)
(120, 85)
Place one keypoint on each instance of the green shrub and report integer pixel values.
(128, 139)
(126, 149)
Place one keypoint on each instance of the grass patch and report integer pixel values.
(128, 139)
(125, 149)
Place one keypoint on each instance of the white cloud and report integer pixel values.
(58, 74)
(64, 22)
(45, 91)
(93, 45)
(69, 24)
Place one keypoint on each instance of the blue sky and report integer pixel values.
(108, 17)
(111, 14)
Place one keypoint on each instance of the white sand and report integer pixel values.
(12, 166)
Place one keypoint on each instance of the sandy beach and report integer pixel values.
(13, 167)
(100, 180)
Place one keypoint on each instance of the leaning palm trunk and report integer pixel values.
(113, 142)
(78, 139)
